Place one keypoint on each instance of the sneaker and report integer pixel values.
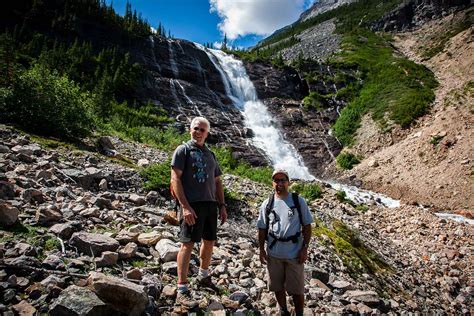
(185, 299)
(207, 283)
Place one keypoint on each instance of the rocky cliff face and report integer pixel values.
(415, 13)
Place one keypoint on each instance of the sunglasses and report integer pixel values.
(202, 130)
(280, 180)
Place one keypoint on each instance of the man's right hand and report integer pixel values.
(189, 216)
(263, 256)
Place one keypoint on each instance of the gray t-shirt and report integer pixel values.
(199, 168)
(284, 224)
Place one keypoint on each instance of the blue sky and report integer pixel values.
(205, 21)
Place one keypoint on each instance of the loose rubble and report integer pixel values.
(71, 245)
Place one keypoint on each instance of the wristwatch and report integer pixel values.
(222, 204)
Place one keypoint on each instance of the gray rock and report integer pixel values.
(369, 298)
(167, 249)
(124, 296)
(136, 199)
(108, 258)
(79, 301)
(170, 268)
(65, 230)
(106, 146)
(48, 215)
(240, 297)
(103, 185)
(129, 251)
(93, 244)
(24, 309)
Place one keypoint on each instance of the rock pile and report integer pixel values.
(80, 237)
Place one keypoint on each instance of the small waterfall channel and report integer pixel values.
(282, 154)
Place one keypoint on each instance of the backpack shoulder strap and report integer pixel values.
(296, 202)
(268, 209)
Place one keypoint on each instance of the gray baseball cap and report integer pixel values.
(280, 171)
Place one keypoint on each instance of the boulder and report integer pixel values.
(8, 215)
(129, 251)
(93, 244)
(32, 195)
(7, 190)
(167, 249)
(24, 309)
(48, 215)
(65, 230)
(149, 239)
(106, 146)
(122, 295)
(107, 258)
(137, 200)
(79, 301)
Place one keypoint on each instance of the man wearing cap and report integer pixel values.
(285, 223)
(195, 180)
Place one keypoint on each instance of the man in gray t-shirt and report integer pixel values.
(196, 182)
(287, 236)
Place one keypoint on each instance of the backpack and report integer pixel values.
(269, 210)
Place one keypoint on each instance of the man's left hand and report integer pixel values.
(223, 214)
(302, 255)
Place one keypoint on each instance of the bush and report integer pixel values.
(341, 196)
(346, 160)
(157, 177)
(42, 102)
(309, 191)
(230, 165)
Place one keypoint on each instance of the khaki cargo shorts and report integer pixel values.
(285, 275)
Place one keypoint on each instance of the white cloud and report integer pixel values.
(260, 17)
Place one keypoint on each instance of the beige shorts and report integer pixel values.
(285, 275)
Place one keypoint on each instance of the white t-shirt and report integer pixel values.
(284, 223)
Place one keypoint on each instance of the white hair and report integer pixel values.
(200, 119)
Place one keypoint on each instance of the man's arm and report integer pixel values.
(303, 253)
(262, 236)
(221, 200)
(189, 215)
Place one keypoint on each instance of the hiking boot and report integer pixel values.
(207, 283)
(185, 299)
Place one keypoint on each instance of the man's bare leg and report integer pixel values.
(206, 253)
(184, 256)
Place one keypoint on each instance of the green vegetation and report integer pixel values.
(392, 84)
(355, 255)
(44, 102)
(230, 165)
(58, 79)
(436, 139)
(309, 191)
(346, 160)
(341, 196)
(52, 243)
(157, 176)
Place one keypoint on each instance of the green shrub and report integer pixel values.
(314, 101)
(309, 191)
(157, 176)
(230, 165)
(42, 102)
(346, 160)
(341, 196)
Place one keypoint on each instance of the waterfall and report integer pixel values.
(267, 137)
(173, 64)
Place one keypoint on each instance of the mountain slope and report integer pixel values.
(432, 163)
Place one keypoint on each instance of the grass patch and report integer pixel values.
(346, 160)
(51, 243)
(355, 255)
(310, 191)
(435, 140)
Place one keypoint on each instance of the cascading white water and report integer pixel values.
(267, 137)
(242, 92)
